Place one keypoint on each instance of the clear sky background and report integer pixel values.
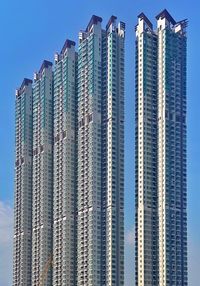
(31, 31)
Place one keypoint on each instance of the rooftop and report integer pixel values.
(68, 43)
(25, 82)
(165, 14)
(111, 20)
(94, 20)
(44, 65)
(144, 17)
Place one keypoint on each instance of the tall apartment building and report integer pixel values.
(64, 209)
(100, 209)
(146, 153)
(75, 163)
(42, 174)
(161, 191)
(23, 185)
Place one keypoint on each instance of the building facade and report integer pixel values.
(64, 209)
(100, 208)
(161, 190)
(22, 252)
(146, 153)
(74, 131)
(42, 173)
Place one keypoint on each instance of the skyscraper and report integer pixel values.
(64, 209)
(161, 191)
(100, 209)
(146, 153)
(69, 194)
(42, 174)
(23, 185)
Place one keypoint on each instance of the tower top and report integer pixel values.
(44, 65)
(68, 43)
(25, 83)
(94, 20)
(111, 21)
(142, 16)
(165, 14)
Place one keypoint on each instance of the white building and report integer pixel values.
(161, 190)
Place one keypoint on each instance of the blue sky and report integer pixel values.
(34, 30)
